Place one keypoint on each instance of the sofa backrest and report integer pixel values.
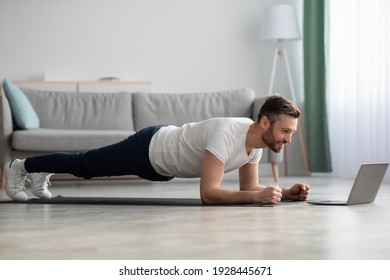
(179, 108)
(69, 110)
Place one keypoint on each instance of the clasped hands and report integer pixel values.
(274, 194)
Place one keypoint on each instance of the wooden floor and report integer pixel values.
(290, 230)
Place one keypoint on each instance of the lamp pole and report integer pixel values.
(282, 54)
(279, 24)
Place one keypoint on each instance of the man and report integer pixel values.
(206, 149)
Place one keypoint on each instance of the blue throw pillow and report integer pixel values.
(22, 111)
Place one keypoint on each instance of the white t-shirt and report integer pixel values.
(179, 151)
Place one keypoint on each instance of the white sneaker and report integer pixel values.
(40, 183)
(15, 182)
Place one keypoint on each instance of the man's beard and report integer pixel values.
(272, 143)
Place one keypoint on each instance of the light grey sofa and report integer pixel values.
(71, 121)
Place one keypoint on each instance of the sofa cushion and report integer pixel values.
(179, 108)
(49, 140)
(68, 110)
(23, 113)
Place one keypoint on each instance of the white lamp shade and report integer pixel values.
(279, 23)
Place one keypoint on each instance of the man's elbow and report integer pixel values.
(208, 198)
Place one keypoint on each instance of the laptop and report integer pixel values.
(365, 187)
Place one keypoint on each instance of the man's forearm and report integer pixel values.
(285, 194)
(225, 196)
(285, 191)
(253, 188)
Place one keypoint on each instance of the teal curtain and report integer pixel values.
(316, 124)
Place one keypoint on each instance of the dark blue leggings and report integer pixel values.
(128, 157)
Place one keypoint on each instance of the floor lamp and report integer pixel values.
(280, 24)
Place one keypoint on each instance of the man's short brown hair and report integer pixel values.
(276, 105)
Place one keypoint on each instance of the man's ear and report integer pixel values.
(264, 122)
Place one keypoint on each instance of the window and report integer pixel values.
(358, 83)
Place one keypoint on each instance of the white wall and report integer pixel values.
(179, 45)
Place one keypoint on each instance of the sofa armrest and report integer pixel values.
(271, 157)
(257, 103)
(6, 128)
